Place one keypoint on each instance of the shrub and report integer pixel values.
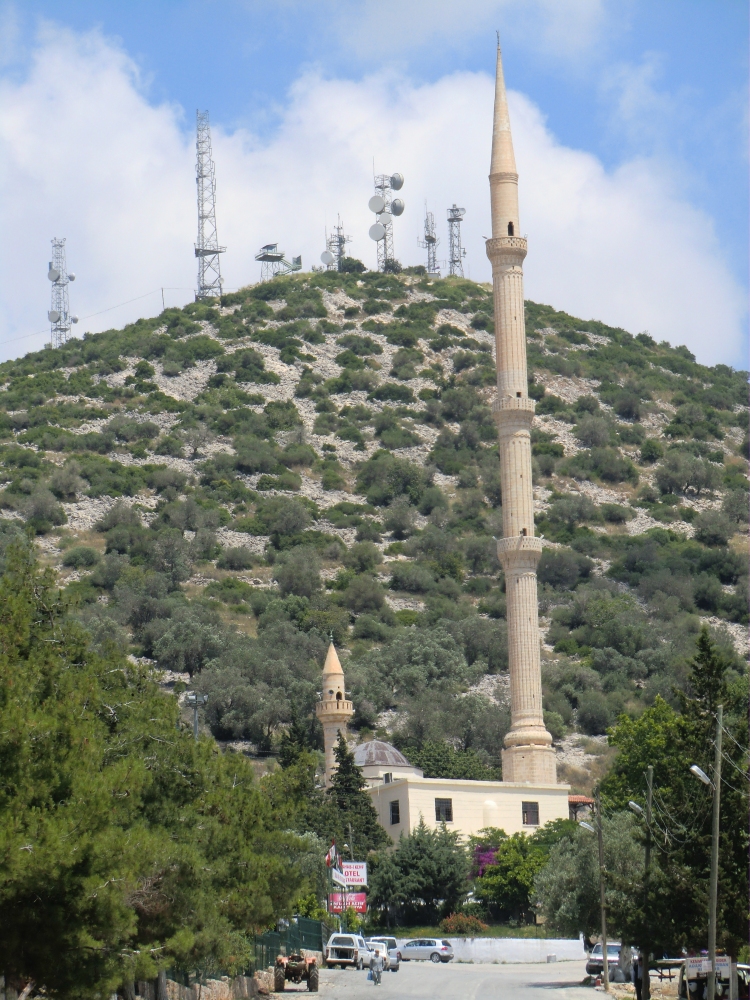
(411, 577)
(81, 555)
(237, 557)
(651, 450)
(364, 593)
(462, 925)
(713, 528)
(399, 518)
(298, 572)
(593, 432)
(735, 506)
(593, 713)
(563, 569)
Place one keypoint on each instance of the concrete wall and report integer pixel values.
(476, 804)
(515, 950)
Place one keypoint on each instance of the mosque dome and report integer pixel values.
(376, 753)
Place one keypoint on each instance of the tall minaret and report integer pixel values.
(528, 756)
(333, 709)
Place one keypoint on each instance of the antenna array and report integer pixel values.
(335, 247)
(207, 248)
(59, 310)
(385, 207)
(456, 252)
(430, 243)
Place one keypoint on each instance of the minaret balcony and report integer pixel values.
(334, 706)
(511, 248)
(519, 552)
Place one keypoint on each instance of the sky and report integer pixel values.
(629, 120)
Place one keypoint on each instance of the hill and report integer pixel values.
(220, 488)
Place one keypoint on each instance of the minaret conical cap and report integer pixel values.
(503, 159)
(332, 664)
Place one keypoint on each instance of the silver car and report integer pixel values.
(391, 949)
(423, 949)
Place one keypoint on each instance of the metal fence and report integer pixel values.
(300, 933)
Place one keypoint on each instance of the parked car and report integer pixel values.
(347, 949)
(697, 989)
(392, 953)
(422, 949)
(595, 965)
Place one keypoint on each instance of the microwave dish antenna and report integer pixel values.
(397, 181)
(377, 232)
(397, 206)
(376, 204)
(327, 258)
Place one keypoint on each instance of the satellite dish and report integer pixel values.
(385, 218)
(53, 274)
(71, 277)
(397, 181)
(377, 232)
(326, 257)
(53, 315)
(397, 206)
(73, 319)
(376, 204)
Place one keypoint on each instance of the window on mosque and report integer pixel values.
(530, 813)
(444, 810)
(510, 229)
(395, 812)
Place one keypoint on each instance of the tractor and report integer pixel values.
(295, 969)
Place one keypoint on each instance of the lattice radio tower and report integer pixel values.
(430, 243)
(456, 252)
(385, 206)
(59, 310)
(335, 249)
(207, 248)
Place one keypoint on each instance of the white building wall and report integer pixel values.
(476, 804)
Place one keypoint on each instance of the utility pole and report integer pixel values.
(646, 988)
(602, 901)
(714, 887)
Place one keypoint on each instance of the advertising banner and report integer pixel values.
(699, 965)
(340, 901)
(337, 877)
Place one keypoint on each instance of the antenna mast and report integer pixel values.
(336, 247)
(430, 243)
(385, 207)
(59, 310)
(456, 252)
(207, 248)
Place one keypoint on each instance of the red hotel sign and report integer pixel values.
(340, 901)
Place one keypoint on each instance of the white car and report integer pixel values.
(389, 950)
(347, 949)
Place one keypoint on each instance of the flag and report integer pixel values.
(331, 856)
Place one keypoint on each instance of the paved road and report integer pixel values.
(425, 981)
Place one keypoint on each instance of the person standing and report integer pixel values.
(376, 966)
(636, 974)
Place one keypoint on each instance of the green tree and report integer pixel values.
(125, 845)
(356, 812)
(434, 869)
(386, 889)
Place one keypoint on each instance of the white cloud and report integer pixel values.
(87, 157)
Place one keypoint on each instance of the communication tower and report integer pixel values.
(456, 252)
(207, 248)
(335, 247)
(385, 206)
(430, 243)
(59, 310)
(273, 262)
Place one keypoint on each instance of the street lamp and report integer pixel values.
(714, 880)
(196, 701)
(645, 946)
(602, 903)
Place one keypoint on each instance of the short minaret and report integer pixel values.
(333, 709)
(528, 756)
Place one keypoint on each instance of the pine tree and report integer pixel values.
(356, 814)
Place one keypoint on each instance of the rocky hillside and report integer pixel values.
(221, 488)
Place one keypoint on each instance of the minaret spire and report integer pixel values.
(503, 173)
(528, 756)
